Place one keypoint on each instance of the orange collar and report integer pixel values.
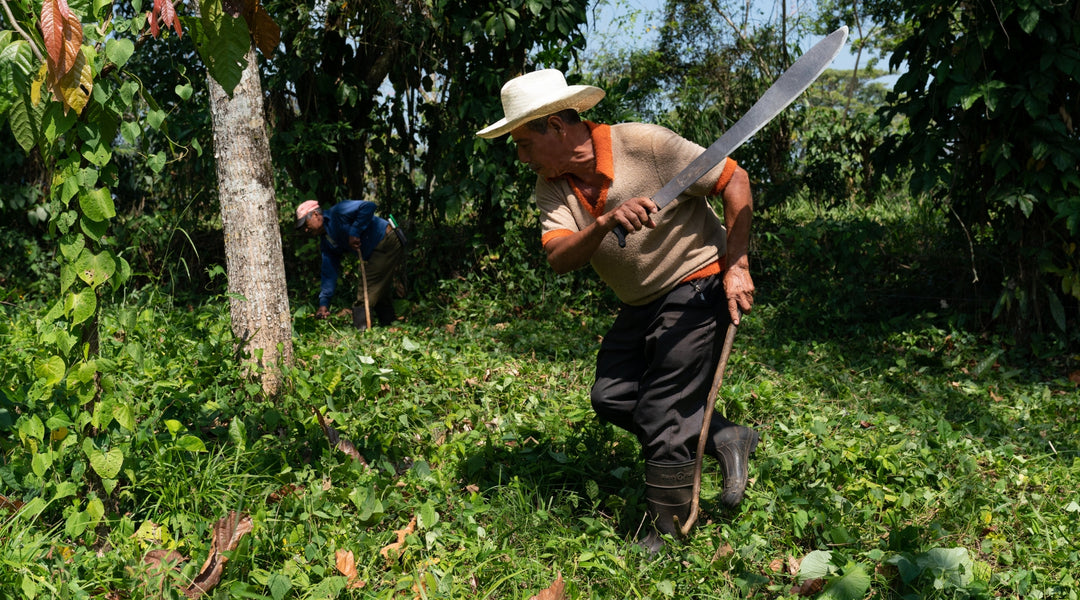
(605, 166)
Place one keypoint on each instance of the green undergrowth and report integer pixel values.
(904, 456)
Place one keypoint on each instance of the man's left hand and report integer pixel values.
(739, 288)
(354, 242)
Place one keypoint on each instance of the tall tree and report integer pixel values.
(258, 298)
(991, 92)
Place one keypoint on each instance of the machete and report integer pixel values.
(783, 92)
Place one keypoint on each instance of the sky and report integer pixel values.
(633, 23)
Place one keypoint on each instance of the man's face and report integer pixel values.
(314, 224)
(543, 152)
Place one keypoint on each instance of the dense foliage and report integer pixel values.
(990, 94)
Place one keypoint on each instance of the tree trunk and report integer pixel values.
(258, 299)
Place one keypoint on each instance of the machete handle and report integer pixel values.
(620, 234)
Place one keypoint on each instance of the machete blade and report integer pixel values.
(783, 92)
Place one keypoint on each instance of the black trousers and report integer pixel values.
(656, 364)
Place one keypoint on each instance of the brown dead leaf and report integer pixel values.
(776, 565)
(227, 533)
(10, 505)
(723, 551)
(556, 591)
(1075, 377)
(808, 587)
(336, 440)
(346, 565)
(793, 565)
(401, 535)
(155, 559)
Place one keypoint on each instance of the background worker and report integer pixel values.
(351, 227)
(680, 279)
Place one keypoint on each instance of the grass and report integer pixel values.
(900, 444)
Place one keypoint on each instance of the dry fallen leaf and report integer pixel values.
(776, 565)
(554, 592)
(793, 565)
(227, 533)
(808, 587)
(1075, 377)
(396, 546)
(346, 565)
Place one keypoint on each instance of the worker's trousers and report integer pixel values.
(655, 367)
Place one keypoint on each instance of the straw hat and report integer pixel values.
(538, 94)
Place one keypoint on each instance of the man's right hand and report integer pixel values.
(322, 313)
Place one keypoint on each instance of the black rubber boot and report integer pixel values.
(669, 491)
(732, 445)
(384, 312)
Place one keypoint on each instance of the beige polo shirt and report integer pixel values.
(637, 159)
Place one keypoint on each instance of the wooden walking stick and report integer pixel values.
(363, 280)
(710, 404)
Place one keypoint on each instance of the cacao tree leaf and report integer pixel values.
(222, 41)
(62, 33)
(97, 204)
(264, 30)
(20, 57)
(25, 122)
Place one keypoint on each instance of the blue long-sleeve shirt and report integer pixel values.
(349, 218)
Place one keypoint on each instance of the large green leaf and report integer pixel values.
(106, 464)
(95, 269)
(97, 204)
(51, 370)
(25, 121)
(81, 306)
(222, 42)
(852, 585)
(119, 50)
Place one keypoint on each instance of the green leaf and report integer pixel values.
(428, 516)
(131, 131)
(106, 464)
(951, 564)
(191, 443)
(119, 50)
(125, 416)
(51, 370)
(184, 91)
(1029, 20)
(1057, 310)
(238, 432)
(97, 204)
(95, 269)
(25, 121)
(155, 118)
(279, 585)
(40, 463)
(156, 162)
(816, 565)
(71, 246)
(853, 585)
(222, 42)
(81, 306)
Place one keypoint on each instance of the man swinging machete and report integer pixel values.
(682, 277)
